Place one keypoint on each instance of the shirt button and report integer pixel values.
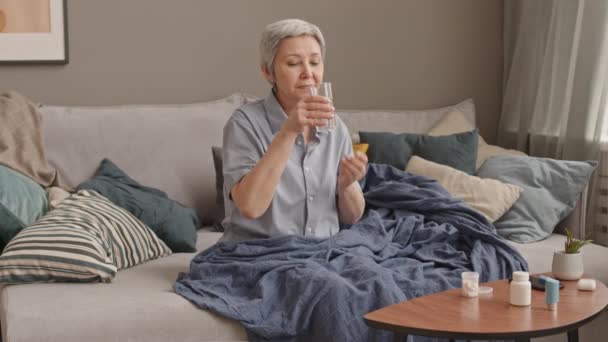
(306, 169)
(310, 198)
(309, 230)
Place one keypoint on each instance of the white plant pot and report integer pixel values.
(567, 266)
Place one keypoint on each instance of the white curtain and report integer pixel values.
(556, 79)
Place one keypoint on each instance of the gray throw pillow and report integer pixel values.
(456, 150)
(216, 151)
(551, 191)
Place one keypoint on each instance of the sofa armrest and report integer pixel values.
(576, 221)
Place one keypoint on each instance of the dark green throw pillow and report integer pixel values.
(457, 150)
(387, 148)
(173, 223)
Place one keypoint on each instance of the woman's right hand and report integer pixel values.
(311, 111)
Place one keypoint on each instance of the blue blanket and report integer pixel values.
(415, 239)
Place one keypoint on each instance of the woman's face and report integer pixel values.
(298, 64)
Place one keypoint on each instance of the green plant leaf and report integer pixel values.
(573, 245)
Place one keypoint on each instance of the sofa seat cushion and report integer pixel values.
(140, 305)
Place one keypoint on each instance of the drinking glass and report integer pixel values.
(470, 284)
(324, 89)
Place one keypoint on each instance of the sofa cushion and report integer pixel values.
(22, 201)
(551, 190)
(138, 306)
(455, 121)
(387, 148)
(174, 224)
(86, 239)
(162, 146)
(457, 150)
(490, 197)
(398, 121)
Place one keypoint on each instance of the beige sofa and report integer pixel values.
(169, 147)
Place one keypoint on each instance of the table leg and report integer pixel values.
(573, 335)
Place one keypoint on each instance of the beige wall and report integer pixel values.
(381, 54)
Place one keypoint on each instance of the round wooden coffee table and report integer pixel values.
(448, 314)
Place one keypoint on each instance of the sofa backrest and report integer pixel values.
(164, 146)
(169, 146)
(401, 121)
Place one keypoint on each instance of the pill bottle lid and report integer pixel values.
(520, 276)
(485, 290)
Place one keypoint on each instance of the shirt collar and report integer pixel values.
(277, 116)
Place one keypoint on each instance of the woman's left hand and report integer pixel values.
(351, 170)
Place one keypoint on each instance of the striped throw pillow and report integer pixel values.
(86, 238)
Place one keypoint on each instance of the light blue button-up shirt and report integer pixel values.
(304, 201)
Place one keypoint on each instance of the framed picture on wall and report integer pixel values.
(33, 32)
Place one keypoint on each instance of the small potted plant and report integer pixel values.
(568, 264)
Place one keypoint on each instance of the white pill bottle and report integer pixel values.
(521, 289)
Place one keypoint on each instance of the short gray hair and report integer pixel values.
(277, 31)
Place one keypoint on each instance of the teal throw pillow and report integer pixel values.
(456, 150)
(22, 201)
(551, 191)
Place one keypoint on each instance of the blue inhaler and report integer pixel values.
(551, 293)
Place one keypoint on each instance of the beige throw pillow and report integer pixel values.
(490, 197)
(399, 121)
(452, 122)
(456, 122)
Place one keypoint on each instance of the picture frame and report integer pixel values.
(36, 46)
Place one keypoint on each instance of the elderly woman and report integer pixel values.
(282, 174)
